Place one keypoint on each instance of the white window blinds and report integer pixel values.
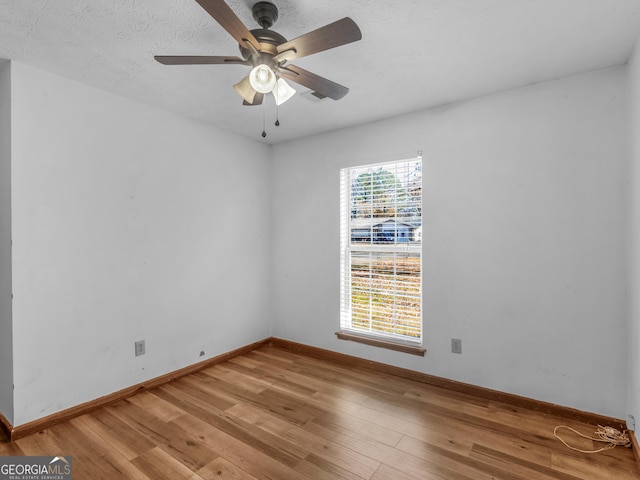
(381, 250)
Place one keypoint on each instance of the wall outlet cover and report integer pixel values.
(140, 348)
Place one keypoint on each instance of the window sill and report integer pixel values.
(399, 347)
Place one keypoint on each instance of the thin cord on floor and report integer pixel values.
(609, 435)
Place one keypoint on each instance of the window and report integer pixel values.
(381, 251)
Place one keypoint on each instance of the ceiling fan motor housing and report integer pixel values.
(268, 39)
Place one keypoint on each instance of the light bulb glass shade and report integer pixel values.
(244, 89)
(283, 91)
(262, 79)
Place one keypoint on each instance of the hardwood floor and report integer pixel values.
(275, 415)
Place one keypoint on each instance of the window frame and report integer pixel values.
(394, 341)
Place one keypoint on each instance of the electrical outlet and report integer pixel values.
(456, 345)
(140, 348)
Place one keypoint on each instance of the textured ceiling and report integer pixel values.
(414, 53)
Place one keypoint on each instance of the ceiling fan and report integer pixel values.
(269, 53)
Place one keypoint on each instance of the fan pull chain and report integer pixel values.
(264, 132)
(276, 92)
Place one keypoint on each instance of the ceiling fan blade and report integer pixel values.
(222, 13)
(333, 35)
(318, 84)
(256, 101)
(199, 60)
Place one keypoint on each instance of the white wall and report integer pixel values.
(6, 350)
(128, 223)
(524, 239)
(633, 381)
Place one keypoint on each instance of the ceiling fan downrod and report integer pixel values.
(265, 13)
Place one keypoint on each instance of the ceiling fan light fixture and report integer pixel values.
(245, 90)
(262, 79)
(283, 91)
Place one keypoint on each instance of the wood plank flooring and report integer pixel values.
(275, 415)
